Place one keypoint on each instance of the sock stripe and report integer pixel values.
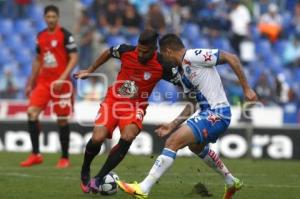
(169, 153)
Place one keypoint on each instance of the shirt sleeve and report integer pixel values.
(117, 51)
(202, 57)
(69, 42)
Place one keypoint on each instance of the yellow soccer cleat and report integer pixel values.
(132, 189)
(230, 191)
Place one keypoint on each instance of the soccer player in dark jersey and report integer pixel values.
(125, 103)
(50, 81)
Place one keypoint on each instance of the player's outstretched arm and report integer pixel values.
(35, 71)
(103, 57)
(235, 64)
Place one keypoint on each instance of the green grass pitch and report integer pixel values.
(263, 179)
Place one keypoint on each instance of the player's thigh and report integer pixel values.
(180, 138)
(106, 118)
(130, 123)
(38, 100)
(129, 132)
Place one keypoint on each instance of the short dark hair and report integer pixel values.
(51, 8)
(171, 41)
(148, 37)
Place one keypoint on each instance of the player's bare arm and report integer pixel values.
(166, 128)
(35, 71)
(104, 57)
(73, 58)
(236, 66)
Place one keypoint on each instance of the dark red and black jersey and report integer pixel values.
(136, 81)
(53, 49)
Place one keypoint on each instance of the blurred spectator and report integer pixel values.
(264, 89)
(296, 19)
(110, 20)
(155, 19)
(93, 89)
(260, 7)
(214, 15)
(291, 108)
(85, 31)
(22, 8)
(8, 85)
(142, 6)
(131, 21)
(174, 18)
(291, 55)
(240, 19)
(270, 23)
(97, 8)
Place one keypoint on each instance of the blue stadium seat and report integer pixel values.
(221, 43)
(263, 48)
(6, 26)
(23, 55)
(36, 12)
(133, 40)
(115, 40)
(201, 42)
(5, 55)
(24, 27)
(280, 46)
(13, 41)
(191, 32)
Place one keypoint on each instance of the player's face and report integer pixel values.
(51, 19)
(145, 53)
(168, 56)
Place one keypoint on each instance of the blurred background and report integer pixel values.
(265, 34)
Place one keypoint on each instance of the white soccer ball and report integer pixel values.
(109, 185)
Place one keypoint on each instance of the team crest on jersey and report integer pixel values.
(213, 118)
(147, 75)
(54, 43)
(207, 56)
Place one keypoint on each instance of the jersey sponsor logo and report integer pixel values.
(207, 56)
(49, 60)
(147, 75)
(140, 114)
(54, 43)
(213, 118)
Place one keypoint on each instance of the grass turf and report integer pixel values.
(263, 179)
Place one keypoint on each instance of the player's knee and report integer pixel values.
(129, 133)
(196, 148)
(99, 135)
(33, 113)
(128, 136)
(62, 122)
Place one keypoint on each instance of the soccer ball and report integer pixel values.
(109, 185)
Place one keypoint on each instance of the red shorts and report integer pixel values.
(113, 113)
(61, 102)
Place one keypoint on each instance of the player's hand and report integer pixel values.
(164, 129)
(250, 95)
(28, 90)
(82, 74)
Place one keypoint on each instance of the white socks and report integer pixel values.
(161, 165)
(212, 159)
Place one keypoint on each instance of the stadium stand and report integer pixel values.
(273, 68)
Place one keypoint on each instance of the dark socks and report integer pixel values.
(64, 137)
(91, 150)
(34, 131)
(115, 156)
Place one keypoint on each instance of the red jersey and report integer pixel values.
(136, 81)
(53, 49)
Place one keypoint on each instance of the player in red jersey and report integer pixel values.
(50, 81)
(125, 103)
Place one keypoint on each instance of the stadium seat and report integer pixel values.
(13, 41)
(23, 55)
(263, 48)
(280, 46)
(191, 32)
(6, 27)
(36, 13)
(5, 55)
(201, 42)
(23, 27)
